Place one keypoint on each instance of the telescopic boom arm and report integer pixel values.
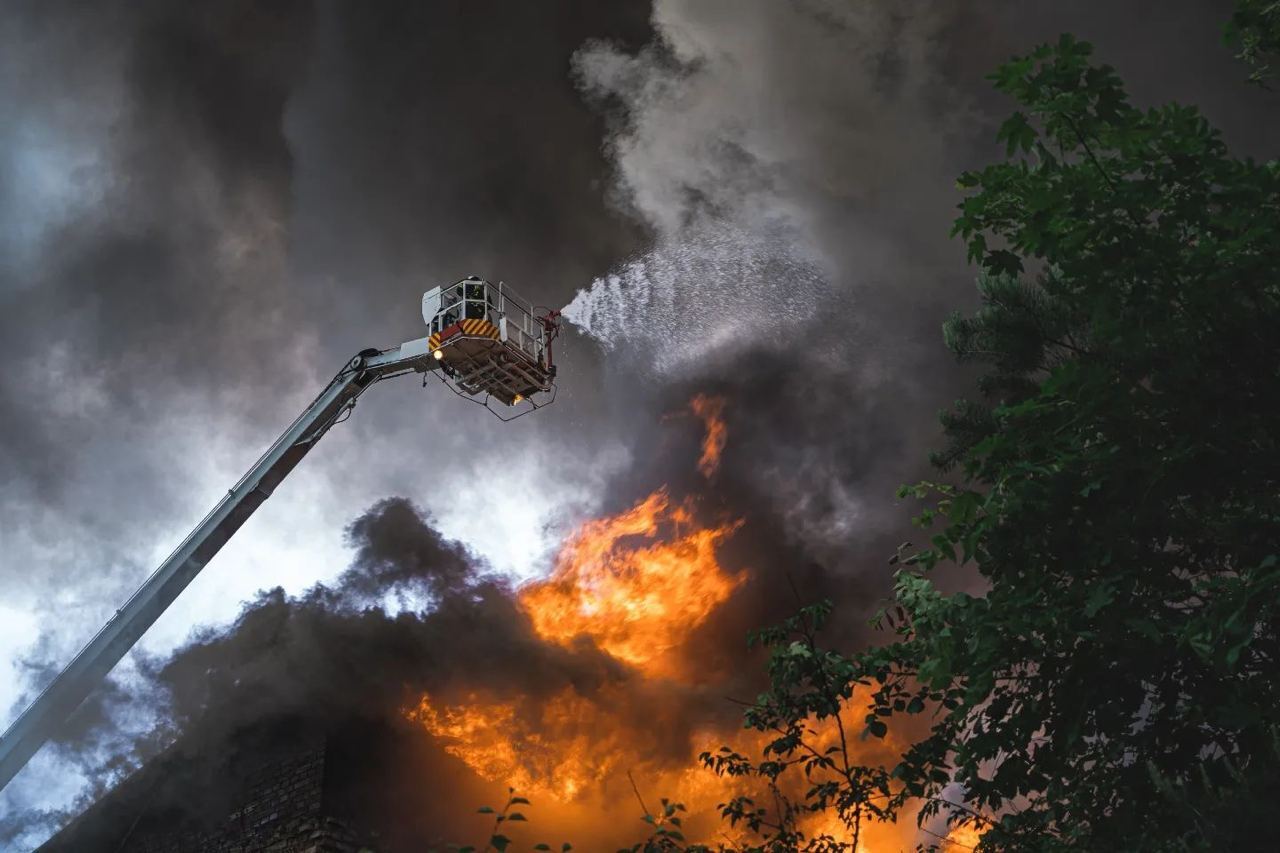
(49, 711)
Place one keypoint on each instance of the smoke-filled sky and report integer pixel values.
(206, 208)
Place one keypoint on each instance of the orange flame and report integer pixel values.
(711, 411)
(636, 583)
(555, 747)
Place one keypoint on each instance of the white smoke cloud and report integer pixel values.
(776, 115)
(767, 145)
(794, 162)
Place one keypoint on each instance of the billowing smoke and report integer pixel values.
(208, 207)
(334, 653)
(806, 154)
(419, 616)
(803, 153)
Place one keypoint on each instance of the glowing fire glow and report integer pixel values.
(554, 747)
(637, 583)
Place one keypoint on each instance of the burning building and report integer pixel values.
(331, 722)
(764, 189)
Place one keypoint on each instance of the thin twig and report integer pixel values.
(945, 839)
(639, 799)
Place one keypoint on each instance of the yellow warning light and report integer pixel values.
(516, 399)
(438, 354)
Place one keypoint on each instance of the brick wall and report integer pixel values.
(280, 810)
(279, 807)
(288, 785)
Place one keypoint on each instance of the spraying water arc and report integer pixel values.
(714, 289)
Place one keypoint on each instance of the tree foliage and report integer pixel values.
(1118, 487)
(499, 842)
(1255, 28)
(812, 750)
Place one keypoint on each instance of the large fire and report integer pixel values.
(636, 584)
(555, 747)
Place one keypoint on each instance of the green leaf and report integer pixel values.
(1099, 597)
(1017, 133)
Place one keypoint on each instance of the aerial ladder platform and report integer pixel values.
(486, 343)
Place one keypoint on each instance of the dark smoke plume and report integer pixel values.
(209, 206)
(293, 668)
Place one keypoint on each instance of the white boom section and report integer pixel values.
(46, 715)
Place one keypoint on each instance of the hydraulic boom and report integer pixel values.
(87, 669)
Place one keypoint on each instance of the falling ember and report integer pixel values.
(636, 583)
(711, 411)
